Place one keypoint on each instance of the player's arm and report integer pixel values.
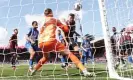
(11, 38)
(64, 37)
(64, 27)
(77, 34)
(82, 46)
(42, 29)
(28, 37)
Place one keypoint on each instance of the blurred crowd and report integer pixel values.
(122, 45)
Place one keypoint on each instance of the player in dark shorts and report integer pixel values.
(114, 41)
(32, 43)
(70, 35)
(125, 44)
(63, 58)
(13, 48)
(125, 47)
(72, 45)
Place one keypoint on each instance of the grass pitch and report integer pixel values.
(55, 72)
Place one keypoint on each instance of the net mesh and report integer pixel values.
(20, 14)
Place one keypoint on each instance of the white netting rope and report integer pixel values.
(57, 2)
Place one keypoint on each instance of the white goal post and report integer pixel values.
(109, 56)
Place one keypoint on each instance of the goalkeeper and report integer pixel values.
(49, 43)
(32, 42)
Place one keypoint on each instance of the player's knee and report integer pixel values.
(66, 52)
(32, 55)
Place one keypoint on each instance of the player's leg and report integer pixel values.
(86, 58)
(91, 56)
(120, 59)
(78, 50)
(128, 48)
(13, 61)
(77, 62)
(63, 61)
(130, 59)
(46, 47)
(87, 55)
(74, 59)
(37, 53)
(43, 60)
(121, 50)
(73, 45)
(37, 57)
(124, 53)
(83, 58)
(32, 53)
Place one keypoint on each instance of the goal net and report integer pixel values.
(106, 23)
(117, 15)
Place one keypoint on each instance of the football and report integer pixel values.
(77, 6)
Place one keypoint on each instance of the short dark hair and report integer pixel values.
(123, 29)
(47, 11)
(15, 29)
(59, 30)
(72, 15)
(34, 22)
(113, 27)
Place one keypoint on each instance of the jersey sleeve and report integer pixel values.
(83, 43)
(41, 29)
(11, 38)
(29, 32)
(62, 26)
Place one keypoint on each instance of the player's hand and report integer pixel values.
(32, 42)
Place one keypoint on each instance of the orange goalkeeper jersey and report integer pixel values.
(47, 32)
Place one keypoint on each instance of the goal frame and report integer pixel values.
(109, 56)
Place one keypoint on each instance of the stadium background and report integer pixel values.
(98, 51)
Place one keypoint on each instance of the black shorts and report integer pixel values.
(114, 49)
(13, 50)
(72, 43)
(126, 47)
(71, 46)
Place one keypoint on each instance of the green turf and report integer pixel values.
(54, 72)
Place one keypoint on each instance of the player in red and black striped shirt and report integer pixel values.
(13, 45)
